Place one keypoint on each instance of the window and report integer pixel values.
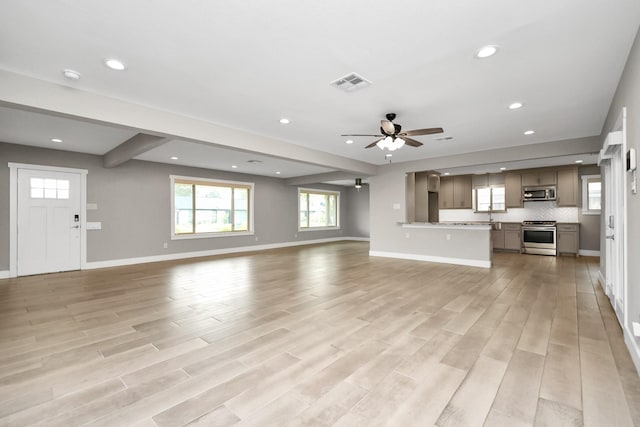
(489, 199)
(45, 188)
(318, 209)
(208, 208)
(591, 195)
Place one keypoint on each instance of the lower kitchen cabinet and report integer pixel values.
(568, 238)
(512, 236)
(497, 239)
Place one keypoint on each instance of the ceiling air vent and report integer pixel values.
(444, 138)
(351, 82)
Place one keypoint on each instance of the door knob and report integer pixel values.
(76, 226)
(610, 237)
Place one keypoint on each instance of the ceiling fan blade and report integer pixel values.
(411, 142)
(387, 127)
(361, 134)
(374, 143)
(428, 131)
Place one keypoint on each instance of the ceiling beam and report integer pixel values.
(132, 147)
(28, 93)
(321, 177)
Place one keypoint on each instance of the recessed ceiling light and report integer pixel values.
(503, 169)
(278, 173)
(515, 105)
(579, 161)
(114, 64)
(234, 166)
(285, 121)
(56, 140)
(447, 173)
(174, 158)
(71, 74)
(349, 141)
(529, 132)
(486, 51)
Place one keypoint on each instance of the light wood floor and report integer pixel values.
(318, 335)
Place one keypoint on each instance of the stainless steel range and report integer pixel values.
(539, 237)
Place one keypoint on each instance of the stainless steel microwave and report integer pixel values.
(539, 193)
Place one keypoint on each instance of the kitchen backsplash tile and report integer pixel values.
(548, 211)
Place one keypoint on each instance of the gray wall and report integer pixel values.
(628, 95)
(589, 224)
(134, 206)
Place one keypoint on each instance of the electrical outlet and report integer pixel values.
(448, 236)
(165, 245)
(406, 235)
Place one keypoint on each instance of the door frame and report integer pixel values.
(13, 210)
(616, 142)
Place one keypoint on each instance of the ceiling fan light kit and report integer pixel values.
(392, 138)
(390, 143)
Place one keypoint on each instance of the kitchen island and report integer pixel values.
(451, 243)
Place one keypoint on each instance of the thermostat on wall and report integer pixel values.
(631, 160)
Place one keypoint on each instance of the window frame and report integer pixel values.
(319, 192)
(175, 179)
(585, 194)
(490, 187)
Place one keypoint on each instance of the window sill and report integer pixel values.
(590, 212)
(302, 230)
(211, 235)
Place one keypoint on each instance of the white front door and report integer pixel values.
(614, 170)
(48, 221)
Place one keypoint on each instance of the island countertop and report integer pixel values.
(471, 226)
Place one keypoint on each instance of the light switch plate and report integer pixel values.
(92, 206)
(94, 226)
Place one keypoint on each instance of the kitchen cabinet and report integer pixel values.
(567, 191)
(445, 195)
(512, 236)
(513, 190)
(462, 192)
(539, 177)
(568, 238)
(455, 192)
(497, 239)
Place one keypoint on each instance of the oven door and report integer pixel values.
(539, 240)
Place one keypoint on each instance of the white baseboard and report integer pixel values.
(224, 251)
(634, 349)
(587, 252)
(602, 281)
(4, 274)
(444, 260)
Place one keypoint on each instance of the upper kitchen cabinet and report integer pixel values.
(513, 190)
(445, 196)
(539, 177)
(462, 192)
(567, 192)
(455, 192)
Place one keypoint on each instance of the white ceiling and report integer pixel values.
(244, 65)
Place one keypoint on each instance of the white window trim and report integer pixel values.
(585, 195)
(174, 236)
(318, 191)
(474, 199)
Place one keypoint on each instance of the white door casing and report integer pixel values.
(612, 160)
(44, 233)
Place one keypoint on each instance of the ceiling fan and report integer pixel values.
(391, 136)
